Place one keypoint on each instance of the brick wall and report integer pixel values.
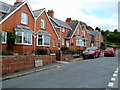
(16, 63)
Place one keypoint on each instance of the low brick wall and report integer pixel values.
(68, 56)
(16, 63)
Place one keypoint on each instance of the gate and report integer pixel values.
(58, 55)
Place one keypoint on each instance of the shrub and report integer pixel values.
(6, 53)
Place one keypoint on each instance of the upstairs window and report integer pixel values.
(24, 18)
(78, 32)
(63, 30)
(43, 23)
(63, 41)
(4, 37)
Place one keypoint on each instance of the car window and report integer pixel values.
(109, 49)
(90, 49)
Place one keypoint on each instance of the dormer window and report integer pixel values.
(63, 30)
(43, 23)
(24, 18)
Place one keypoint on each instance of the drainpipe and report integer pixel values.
(34, 47)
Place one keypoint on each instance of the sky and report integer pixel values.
(95, 13)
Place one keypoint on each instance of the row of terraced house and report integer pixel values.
(40, 29)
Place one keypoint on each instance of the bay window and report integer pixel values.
(43, 40)
(24, 38)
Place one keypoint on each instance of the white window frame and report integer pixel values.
(78, 31)
(24, 18)
(5, 33)
(43, 44)
(43, 24)
(22, 43)
(63, 30)
(79, 42)
(63, 41)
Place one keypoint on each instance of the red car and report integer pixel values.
(109, 52)
(91, 52)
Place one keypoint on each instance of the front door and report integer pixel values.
(67, 43)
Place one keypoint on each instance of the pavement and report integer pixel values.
(37, 69)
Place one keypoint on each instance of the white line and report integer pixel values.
(110, 84)
(113, 79)
(114, 75)
(116, 72)
(117, 69)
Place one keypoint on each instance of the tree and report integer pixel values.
(97, 28)
(115, 31)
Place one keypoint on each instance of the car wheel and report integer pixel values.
(99, 55)
(93, 56)
(84, 57)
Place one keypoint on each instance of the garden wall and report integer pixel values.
(16, 63)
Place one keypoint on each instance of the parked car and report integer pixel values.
(91, 52)
(109, 52)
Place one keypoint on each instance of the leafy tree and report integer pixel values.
(97, 28)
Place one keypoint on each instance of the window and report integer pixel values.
(54, 42)
(24, 18)
(43, 40)
(43, 24)
(79, 42)
(4, 37)
(24, 38)
(63, 41)
(63, 30)
(78, 32)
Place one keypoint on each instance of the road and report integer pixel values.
(90, 73)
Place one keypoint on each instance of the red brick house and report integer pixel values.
(32, 28)
(46, 35)
(95, 37)
(62, 28)
(78, 36)
(18, 18)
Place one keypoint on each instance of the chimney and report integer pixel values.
(68, 20)
(18, 1)
(50, 13)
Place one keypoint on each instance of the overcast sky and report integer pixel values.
(101, 13)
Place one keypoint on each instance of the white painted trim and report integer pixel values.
(75, 30)
(25, 2)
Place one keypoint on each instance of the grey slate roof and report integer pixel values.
(93, 33)
(60, 23)
(73, 26)
(38, 12)
(7, 9)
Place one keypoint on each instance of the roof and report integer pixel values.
(38, 12)
(73, 26)
(7, 9)
(60, 23)
(94, 34)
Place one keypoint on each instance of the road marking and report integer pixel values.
(113, 79)
(117, 69)
(116, 72)
(114, 75)
(110, 84)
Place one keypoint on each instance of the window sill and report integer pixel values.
(4, 43)
(24, 24)
(24, 44)
(44, 45)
